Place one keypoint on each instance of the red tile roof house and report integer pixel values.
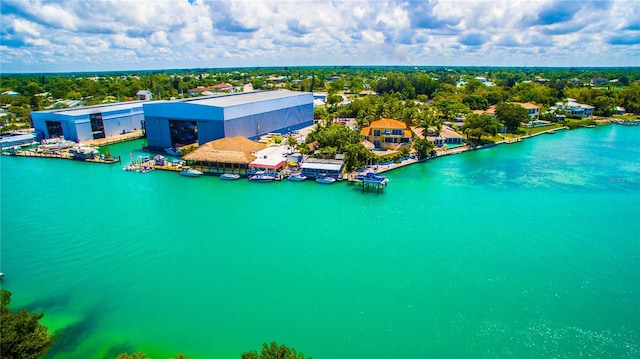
(387, 133)
(198, 90)
(224, 87)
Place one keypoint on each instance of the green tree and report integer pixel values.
(450, 109)
(21, 332)
(292, 142)
(629, 98)
(475, 102)
(475, 126)
(356, 155)
(423, 147)
(512, 115)
(273, 351)
(473, 86)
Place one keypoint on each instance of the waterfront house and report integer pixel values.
(387, 134)
(226, 155)
(446, 136)
(532, 110)
(271, 160)
(317, 167)
(572, 107)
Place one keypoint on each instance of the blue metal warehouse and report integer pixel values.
(204, 119)
(88, 123)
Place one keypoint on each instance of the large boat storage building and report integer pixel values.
(247, 114)
(91, 122)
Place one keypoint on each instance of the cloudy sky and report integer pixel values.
(96, 35)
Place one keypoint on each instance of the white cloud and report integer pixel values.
(26, 27)
(123, 34)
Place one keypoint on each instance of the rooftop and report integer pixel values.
(230, 150)
(243, 98)
(87, 110)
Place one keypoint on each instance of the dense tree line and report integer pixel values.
(21, 334)
(405, 92)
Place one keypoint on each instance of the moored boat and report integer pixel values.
(262, 177)
(145, 169)
(297, 178)
(229, 176)
(371, 177)
(173, 151)
(190, 172)
(325, 180)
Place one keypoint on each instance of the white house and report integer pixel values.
(572, 107)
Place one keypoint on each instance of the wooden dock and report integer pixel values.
(63, 154)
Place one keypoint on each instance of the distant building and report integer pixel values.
(204, 119)
(199, 90)
(225, 87)
(387, 134)
(144, 95)
(66, 104)
(88, 123)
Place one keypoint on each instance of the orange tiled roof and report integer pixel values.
(388, 123)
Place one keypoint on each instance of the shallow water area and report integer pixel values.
(522, 250)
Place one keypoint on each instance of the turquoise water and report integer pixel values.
(523, 250)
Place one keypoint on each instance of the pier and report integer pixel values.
(63, 154)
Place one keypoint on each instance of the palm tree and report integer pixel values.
(292, 142)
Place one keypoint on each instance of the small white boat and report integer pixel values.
(130, 167)
(262, 177)
(326, 180)
(297, 178)
(172, 151)
(190, 172)
(229, 176)
(145, 169)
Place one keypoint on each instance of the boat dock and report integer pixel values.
(61, 154)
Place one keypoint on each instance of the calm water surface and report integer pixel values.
(523, 250)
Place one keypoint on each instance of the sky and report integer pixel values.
(110, 35)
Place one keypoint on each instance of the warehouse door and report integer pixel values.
(97, 125)
(183, 132)
(54, 129)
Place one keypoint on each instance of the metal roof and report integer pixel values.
(325, 166)
(244, 98)
(88, 110)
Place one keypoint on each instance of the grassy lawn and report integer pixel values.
(544, 128)
(627, 117)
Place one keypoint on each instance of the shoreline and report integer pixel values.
(458, 150)
(349, 176)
